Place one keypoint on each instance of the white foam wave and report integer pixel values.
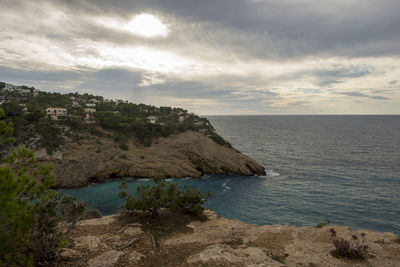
(169, 180)
(143, 180)
(270, 174)
(226, 187)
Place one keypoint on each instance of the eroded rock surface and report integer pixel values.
(220, 242)
(188, 154)
(225, 254)
(107, 259)
(89, 242)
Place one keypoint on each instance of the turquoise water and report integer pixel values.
(344, 168)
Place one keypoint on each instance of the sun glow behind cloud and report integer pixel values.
(147, 25)
(143, 25)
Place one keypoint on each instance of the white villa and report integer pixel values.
(152, 119)
(182, 118)
(56, 113)
(19, 89)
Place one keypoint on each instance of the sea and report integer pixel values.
(342, 168)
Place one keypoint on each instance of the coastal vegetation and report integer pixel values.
(162, 195)
(92, 116)
(353, 249)
(33, 217)
(323, 223)
(35, 220)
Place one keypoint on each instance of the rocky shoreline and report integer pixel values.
(216, 241)
(189, 154)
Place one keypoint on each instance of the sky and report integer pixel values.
(212, 57)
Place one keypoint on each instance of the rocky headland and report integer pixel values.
(215, 242)
(188, 154)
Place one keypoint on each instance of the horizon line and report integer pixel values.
(340, 114)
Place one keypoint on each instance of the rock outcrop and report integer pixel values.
(189, 154)
(220, 242)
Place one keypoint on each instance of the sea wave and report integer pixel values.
(270, 174)
(225, 187)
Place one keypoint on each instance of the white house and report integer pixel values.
(152, 119)
(36, 92)
(90, 105)
(182, 118)
(56, 113)
(24, 108)
(10, 87)
(94, 100)
(19, 89)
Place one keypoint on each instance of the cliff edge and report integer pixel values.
(188, 154)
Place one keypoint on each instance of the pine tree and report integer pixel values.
(20, 196)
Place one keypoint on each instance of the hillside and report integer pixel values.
(89, 139)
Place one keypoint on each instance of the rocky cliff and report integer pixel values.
(189, 154)
(215, 242)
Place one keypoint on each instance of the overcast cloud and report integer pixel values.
(210, 56)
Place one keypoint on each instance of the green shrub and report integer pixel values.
(22, 199)
(164, 195)
(51, 135)
(124, 146)
(323, 223)
(6, 130)
(30, 212)
(91, 214)
(69, 211)
(219, 140)
(46, 238)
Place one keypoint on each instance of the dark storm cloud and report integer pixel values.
(205, 90)
(20, 75)
(378, 97)
(328, 77)
(237, 54)
(289, 28)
